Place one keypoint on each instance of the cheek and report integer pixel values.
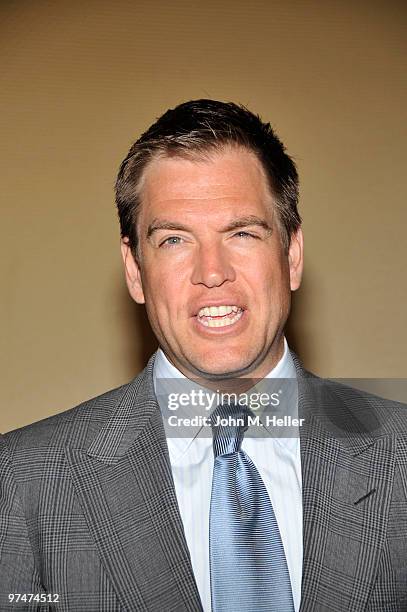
(270, 287)
(163, 297)
(167, 281)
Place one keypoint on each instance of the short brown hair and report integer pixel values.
(197, 128)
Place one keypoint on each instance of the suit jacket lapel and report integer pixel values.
(125, 485)
(347, 476)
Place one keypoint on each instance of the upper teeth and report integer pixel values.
(217, 311)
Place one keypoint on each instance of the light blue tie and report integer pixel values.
(248, 567)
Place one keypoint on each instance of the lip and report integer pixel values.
(221, 331)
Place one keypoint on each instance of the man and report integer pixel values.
(100, 510)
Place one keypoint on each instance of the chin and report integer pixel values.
(222, 365)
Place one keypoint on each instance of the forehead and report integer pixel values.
(229, 180)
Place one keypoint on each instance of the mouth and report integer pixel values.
(219, 316)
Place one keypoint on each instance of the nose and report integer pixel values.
(212, 267)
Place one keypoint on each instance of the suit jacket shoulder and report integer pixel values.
(63, 428)
(354, 483)
(88, 511)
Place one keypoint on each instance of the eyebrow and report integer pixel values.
(240, 222)
(249, 220)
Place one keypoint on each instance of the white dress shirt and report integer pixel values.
(277, 460)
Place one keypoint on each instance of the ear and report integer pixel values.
(132, 272)
(295, 259)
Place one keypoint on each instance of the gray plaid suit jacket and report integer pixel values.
(88, 508)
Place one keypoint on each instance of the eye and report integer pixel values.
(244, 234)
(171, 241)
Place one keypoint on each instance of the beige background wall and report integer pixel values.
(80, 80)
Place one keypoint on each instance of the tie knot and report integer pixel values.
(229, 423)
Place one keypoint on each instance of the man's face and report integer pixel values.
(212, 270)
